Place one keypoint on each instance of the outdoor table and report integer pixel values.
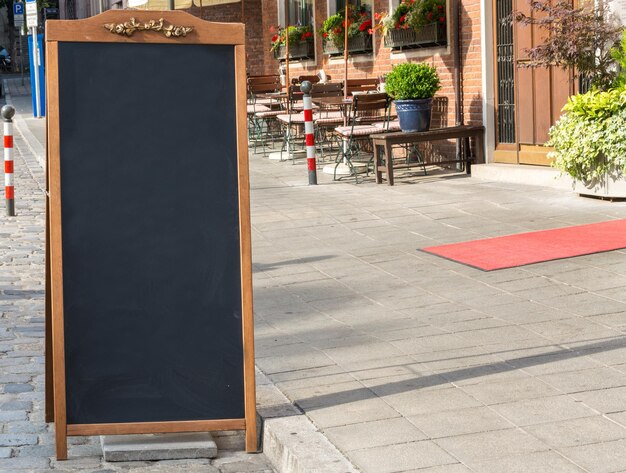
(334, 103)
(385, 141)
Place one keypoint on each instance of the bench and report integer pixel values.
(383, 144)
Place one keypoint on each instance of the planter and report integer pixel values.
(414, 115)
(357, 44)
(302, 50)
(608, 187)
(433, 34)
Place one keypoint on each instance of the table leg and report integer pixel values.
(389, 163)
(379, 174)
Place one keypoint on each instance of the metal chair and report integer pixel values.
(366, 110)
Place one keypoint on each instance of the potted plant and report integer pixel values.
(413, 87)
(414, 24)
(359, 31)
(590, 144)
(300, 42)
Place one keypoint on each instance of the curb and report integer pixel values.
(22, 128)
(290, 440)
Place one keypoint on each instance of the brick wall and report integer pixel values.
(248, 13)
(383, 59)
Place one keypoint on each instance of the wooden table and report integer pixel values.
(385, 141)
(331, 101)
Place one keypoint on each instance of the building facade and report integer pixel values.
(477, 49)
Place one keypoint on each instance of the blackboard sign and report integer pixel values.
(151, 309)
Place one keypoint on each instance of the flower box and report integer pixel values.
(433, 34)
(609, 186)
(302, 50)
(357, 44)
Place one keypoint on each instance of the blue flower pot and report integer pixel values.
(414, 115)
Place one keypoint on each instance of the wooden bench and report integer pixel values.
(383, 147)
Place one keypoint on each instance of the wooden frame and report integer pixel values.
(92, 30)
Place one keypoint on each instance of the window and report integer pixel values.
(300, 12)
(335, 6)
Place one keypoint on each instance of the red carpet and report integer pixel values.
(534, 247)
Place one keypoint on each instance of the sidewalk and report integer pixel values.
(412, 363)
(407, 362)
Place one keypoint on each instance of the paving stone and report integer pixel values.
(123, 448)
(23, 463)
(459, 422)
(5, 452)
(528, 462)
(9, 440)
(571, 433)
(373, 434)
(488, 445)
(548, 409)
(400, 457)
(604, 457)
(18, 388)
(604, 400)
(8, 416)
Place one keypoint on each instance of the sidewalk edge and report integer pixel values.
(290, 440)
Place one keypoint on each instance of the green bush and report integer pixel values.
(412, 81)
(589, 139)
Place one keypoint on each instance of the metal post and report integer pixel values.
(309, 131)
(172, 6)
(21, 55)
(7, 113)
(36, 64)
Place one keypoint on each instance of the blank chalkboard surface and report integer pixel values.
(146, 154)
(150, 233)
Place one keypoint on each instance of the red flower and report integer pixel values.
(272, 29)
(402, 19)
(442, 19)
(370, 31)
(367, 24)
(274, 38)
(377, 16)
(429, 16)
(440, 7)
(306, 35)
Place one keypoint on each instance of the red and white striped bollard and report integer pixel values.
(7, 113)
(309, 131)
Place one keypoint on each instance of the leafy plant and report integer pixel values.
(426, 12)
(618, 54)
(578, 38)
(359, 23)
(413, 14)
(296, 34)
(412, 81)
(589, 139)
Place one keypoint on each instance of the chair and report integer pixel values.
(362, 85)
(367, 110)
(328, 116)
(262, 112)
(291, 119)
(313, 79)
